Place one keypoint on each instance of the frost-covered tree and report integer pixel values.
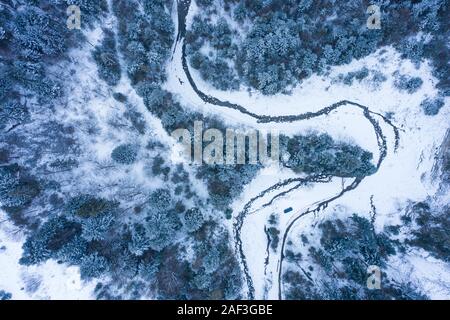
(34, 252)
(218, 73)
(321, 34)
(202, 280)
(161, 228)
(13, 113)
(193, 219)
(16, 189)
(86, 206)
(51, 237)
(73, 251)
(125, 154)
(91, 10)
(38, 32)
(105, 55)
(160, 200)
(145, 39)
(407, 83)
(430, 229)
(140, 242)
(431, 107)
(97, 227)
(93, 266)
(211, 261)
(340, 260)
(5, 295)
(320, 154)
(149, 269)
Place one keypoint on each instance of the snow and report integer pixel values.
(254, 238)
(49, 280)
(405, 175)
(100, 126)
(432, 275)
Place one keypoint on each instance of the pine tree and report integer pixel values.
(193, 219)
(125, 154)
(16, 190)
(96, 228)
(93, 266)
(140, 242)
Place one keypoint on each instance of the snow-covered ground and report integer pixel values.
(49, 280)
(89, 108)
(405, 175)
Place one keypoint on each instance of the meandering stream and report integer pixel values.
(373, 118)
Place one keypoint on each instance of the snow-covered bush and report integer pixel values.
(431, 107)
(407, 83)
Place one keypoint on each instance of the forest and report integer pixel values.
(336, 269)
(172, 243)
(273, 45)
